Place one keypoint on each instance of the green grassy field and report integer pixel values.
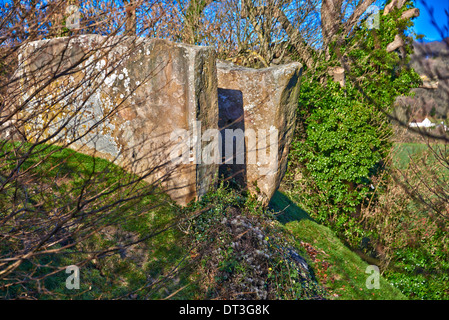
(421, 267)
(405, 153)
(60, 177)
(338, 269)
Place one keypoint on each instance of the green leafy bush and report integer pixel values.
(244, 253)
(343, 135)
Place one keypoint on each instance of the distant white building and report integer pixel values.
(426, 123)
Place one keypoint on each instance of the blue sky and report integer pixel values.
(423, 24)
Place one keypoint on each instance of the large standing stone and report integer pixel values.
(121, 98)
(262, 103)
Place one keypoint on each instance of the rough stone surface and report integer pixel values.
(253, 100)
(121, 99)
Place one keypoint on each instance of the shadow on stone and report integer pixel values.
(231, 117)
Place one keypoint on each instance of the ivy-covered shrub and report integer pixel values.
(343, 133)
(340, 165)
(242, 252)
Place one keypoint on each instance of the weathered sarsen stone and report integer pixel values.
(138, 102)
(121, 98)
(262, 103)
